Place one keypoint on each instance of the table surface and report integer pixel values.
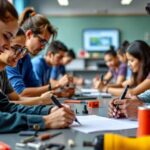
(78, 137)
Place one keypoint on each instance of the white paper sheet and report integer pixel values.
(93, 123)
(89, 90)
(94, 92)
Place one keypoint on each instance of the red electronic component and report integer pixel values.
(4, 146)
(93, 104)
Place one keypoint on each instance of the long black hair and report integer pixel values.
(141, 51)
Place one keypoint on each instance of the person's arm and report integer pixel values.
(143, 86)
(42, 100)
(108, 76)
(15, 117)
(6, 106)
(120, 79)
(34, 91)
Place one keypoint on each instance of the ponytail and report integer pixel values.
(38, 23)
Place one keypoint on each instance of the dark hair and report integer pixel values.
(7, 11)
(147, 8)
(20, 32)
(36, 22)
(71, 53)
(111, 52)
(57, 46)
(141, 51)
(122, 49)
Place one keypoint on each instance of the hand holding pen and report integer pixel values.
(114, 105)
(57, 103)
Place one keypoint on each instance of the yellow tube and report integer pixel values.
(118, 142)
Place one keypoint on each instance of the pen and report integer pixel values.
(124, 92)
(102, 77)
(123, 95)
(57, 103)
(75, 101)
(46, 136)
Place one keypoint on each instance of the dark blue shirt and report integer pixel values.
(41, 69)
(16, 117)
(22, 76)
(58, 70)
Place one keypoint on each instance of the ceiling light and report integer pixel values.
(63, 2)
(126, 2)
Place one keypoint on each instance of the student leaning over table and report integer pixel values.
(38, 30)
(138, 54)
(128, 107)
(10, 57)
(16, 117)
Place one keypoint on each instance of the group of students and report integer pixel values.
(32, 82)
(134, 56)
(20, 37)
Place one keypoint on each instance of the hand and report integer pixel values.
(46, 98)
(66, 92)
(60, 118)
(66, 79)
(127, 107)
(100, 86)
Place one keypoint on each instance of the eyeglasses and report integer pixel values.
(36, 32)
(43, 41)
(19, 50)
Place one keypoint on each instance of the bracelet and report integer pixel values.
(49, 86)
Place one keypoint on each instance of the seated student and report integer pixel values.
(121, 53)
(117, 71)
(16, 117)
(42, 66)
(10, 57)
(61, 70)
(138, 54)
(38, 30)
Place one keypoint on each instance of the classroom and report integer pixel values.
(74, 74)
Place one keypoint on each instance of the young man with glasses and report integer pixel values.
(38, 31)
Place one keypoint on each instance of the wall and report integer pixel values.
(70, 28)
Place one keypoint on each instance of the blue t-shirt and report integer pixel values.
(22, 76)
(58, 70)
(41, 69)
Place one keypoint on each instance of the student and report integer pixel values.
(117, 71)
(42, 67)
(121, 53)
(10, 57)
(15, 117)
(61, 70)
(138, 54)
(38, 30)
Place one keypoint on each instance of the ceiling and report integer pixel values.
(89, 7)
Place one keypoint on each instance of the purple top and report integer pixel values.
(122, 70)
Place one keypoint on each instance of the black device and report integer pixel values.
(98, 143)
